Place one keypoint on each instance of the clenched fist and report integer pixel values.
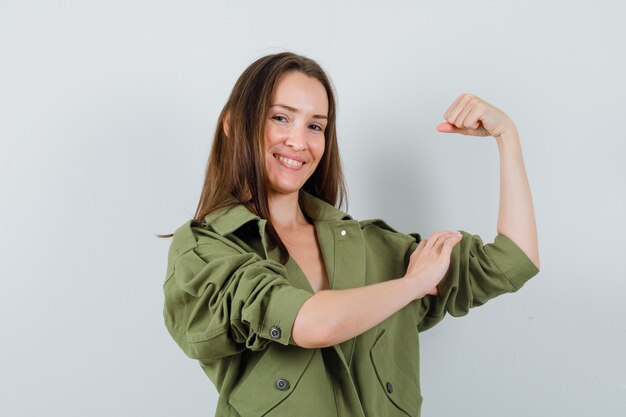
(470, 115)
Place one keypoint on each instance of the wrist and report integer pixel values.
(415, 287)
(509, 141)
(509, 133)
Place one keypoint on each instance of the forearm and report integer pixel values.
(333, 316)
(516, 218)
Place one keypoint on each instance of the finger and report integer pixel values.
(446, 237)
(460, 120)
(471, 113)
(450, 243)
(441, 238)
(432, 240)
(419, 248)
(454, 112)
(448, 128)
(472, 120)
(434, 291)
(453, 106)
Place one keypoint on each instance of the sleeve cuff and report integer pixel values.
(512, 260)
(281, 313)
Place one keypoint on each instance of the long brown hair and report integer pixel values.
(236, 166)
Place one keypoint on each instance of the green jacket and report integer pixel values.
(230, 304)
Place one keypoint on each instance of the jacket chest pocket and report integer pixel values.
(402, 393)
(286, 381)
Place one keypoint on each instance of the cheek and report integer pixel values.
(317, 148)
(272, 136)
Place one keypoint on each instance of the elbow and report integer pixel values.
(311, 337)
(537, 262)
(535, 259)
(310, 330)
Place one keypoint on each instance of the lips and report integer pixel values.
(289, 162)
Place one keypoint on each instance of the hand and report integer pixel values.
(470, 115)
(430, 261)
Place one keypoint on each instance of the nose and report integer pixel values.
(296, 140)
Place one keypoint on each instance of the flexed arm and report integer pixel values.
(470, 115)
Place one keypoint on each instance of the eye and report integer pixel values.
(317, 128)
(276, 117)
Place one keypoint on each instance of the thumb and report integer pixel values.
(446, 127)
(450, 243)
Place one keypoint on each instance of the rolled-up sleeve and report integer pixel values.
(477, 273)
(220, 301)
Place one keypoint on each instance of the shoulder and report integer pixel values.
(198, 253)
(197, 236)
(382, 241)
(215, 226)
(379, 227)
(184, 238)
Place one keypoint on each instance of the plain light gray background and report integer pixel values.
(107, 111)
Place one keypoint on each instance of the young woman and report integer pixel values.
(290, 305)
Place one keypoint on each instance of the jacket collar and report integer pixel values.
(227, 220)
(319, 210)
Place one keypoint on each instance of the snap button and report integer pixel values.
(275, 332)
(282, 384)
(343, 233)
(389, 387)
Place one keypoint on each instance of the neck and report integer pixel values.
(285, 210)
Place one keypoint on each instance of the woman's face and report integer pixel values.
(294, 131)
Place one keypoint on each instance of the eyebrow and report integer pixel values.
(293, 109)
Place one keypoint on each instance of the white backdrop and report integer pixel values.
(107, 111)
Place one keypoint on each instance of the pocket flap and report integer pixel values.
(273, 379)
(401, 390)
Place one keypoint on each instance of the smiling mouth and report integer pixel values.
(290, 162)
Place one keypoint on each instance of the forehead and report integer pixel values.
(295, 89)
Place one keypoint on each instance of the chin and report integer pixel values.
(285, 188)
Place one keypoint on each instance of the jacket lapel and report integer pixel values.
(343, 250)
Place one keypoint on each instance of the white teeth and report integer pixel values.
(289, 161)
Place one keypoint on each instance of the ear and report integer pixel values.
(227, 124)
